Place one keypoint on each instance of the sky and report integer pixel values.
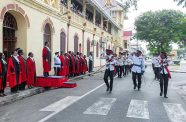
(150, 5)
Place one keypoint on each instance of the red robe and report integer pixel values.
(81, 65)
(85, 67)
(73, 64)
(11, 75)
(22, 63)
(31, 71)
(77, 66)
(46, 54)
(63, 66)
(67, 65)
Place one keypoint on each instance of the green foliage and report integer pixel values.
(130, 3)
(181, 2)
(160, 29)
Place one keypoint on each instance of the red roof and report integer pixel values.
(127, 33)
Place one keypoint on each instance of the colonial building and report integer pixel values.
(68, 25)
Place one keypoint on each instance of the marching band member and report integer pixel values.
(156, 65)
(138, 69)
(3, 72)
(120, 65)
(164, 74)
(109, 72)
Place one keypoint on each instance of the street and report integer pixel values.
(89, 102)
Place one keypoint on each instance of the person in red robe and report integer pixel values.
(81, 63)
(77, 64)
(46, 54)
(31, 70)
(13, 72)
(85, 66)
(67, 65)
(3, 73)
(23, 77)
(63, 65)
(72, 64)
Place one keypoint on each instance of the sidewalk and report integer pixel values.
(10, 98)
(176, 69)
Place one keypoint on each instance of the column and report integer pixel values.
(102, 21)
(83, 40)
(84, 8)
(69, 3)
(94, 16)
(68, 26)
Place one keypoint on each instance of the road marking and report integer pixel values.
(138, 109)
(175, 112)
(61, 104)
(56, 112)
(101, 107)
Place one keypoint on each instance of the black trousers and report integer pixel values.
(110, 74)
(46, 74)
(120, 71)
(134, 77)
(90, 66)
(56, 70)
(157, 72)
(117, 70)
(164, 79)
(126, 69)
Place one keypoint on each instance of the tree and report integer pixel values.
(159, 29)
(181, 2)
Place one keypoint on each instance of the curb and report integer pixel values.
(30, 92)
(176, 71)
(18, 96)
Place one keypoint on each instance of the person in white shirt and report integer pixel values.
(120, 65)
(138, 69)
(156, 64)
(57, 64)
(164, 74)
(109, 72)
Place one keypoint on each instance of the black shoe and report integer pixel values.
(134, 87)
(110, 92)
(165, 97)
(107, 89)
(161, 93)
(138, 89)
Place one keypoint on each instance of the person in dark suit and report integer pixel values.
(3, 73)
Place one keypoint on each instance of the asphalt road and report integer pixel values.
(90, 102)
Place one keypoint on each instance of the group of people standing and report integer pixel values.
(65, 64)
(160, 63)
(17, 72)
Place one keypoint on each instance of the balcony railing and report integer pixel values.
(78, 19)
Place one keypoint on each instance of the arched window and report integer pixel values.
(76, 43)
(97, 49)
(47, 34)
(9, 34)
(62, 42)
(88, 47)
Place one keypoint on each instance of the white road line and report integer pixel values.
(75, 99)
(61, 104)
(175, 112)
(138, 109)
(101, 107)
